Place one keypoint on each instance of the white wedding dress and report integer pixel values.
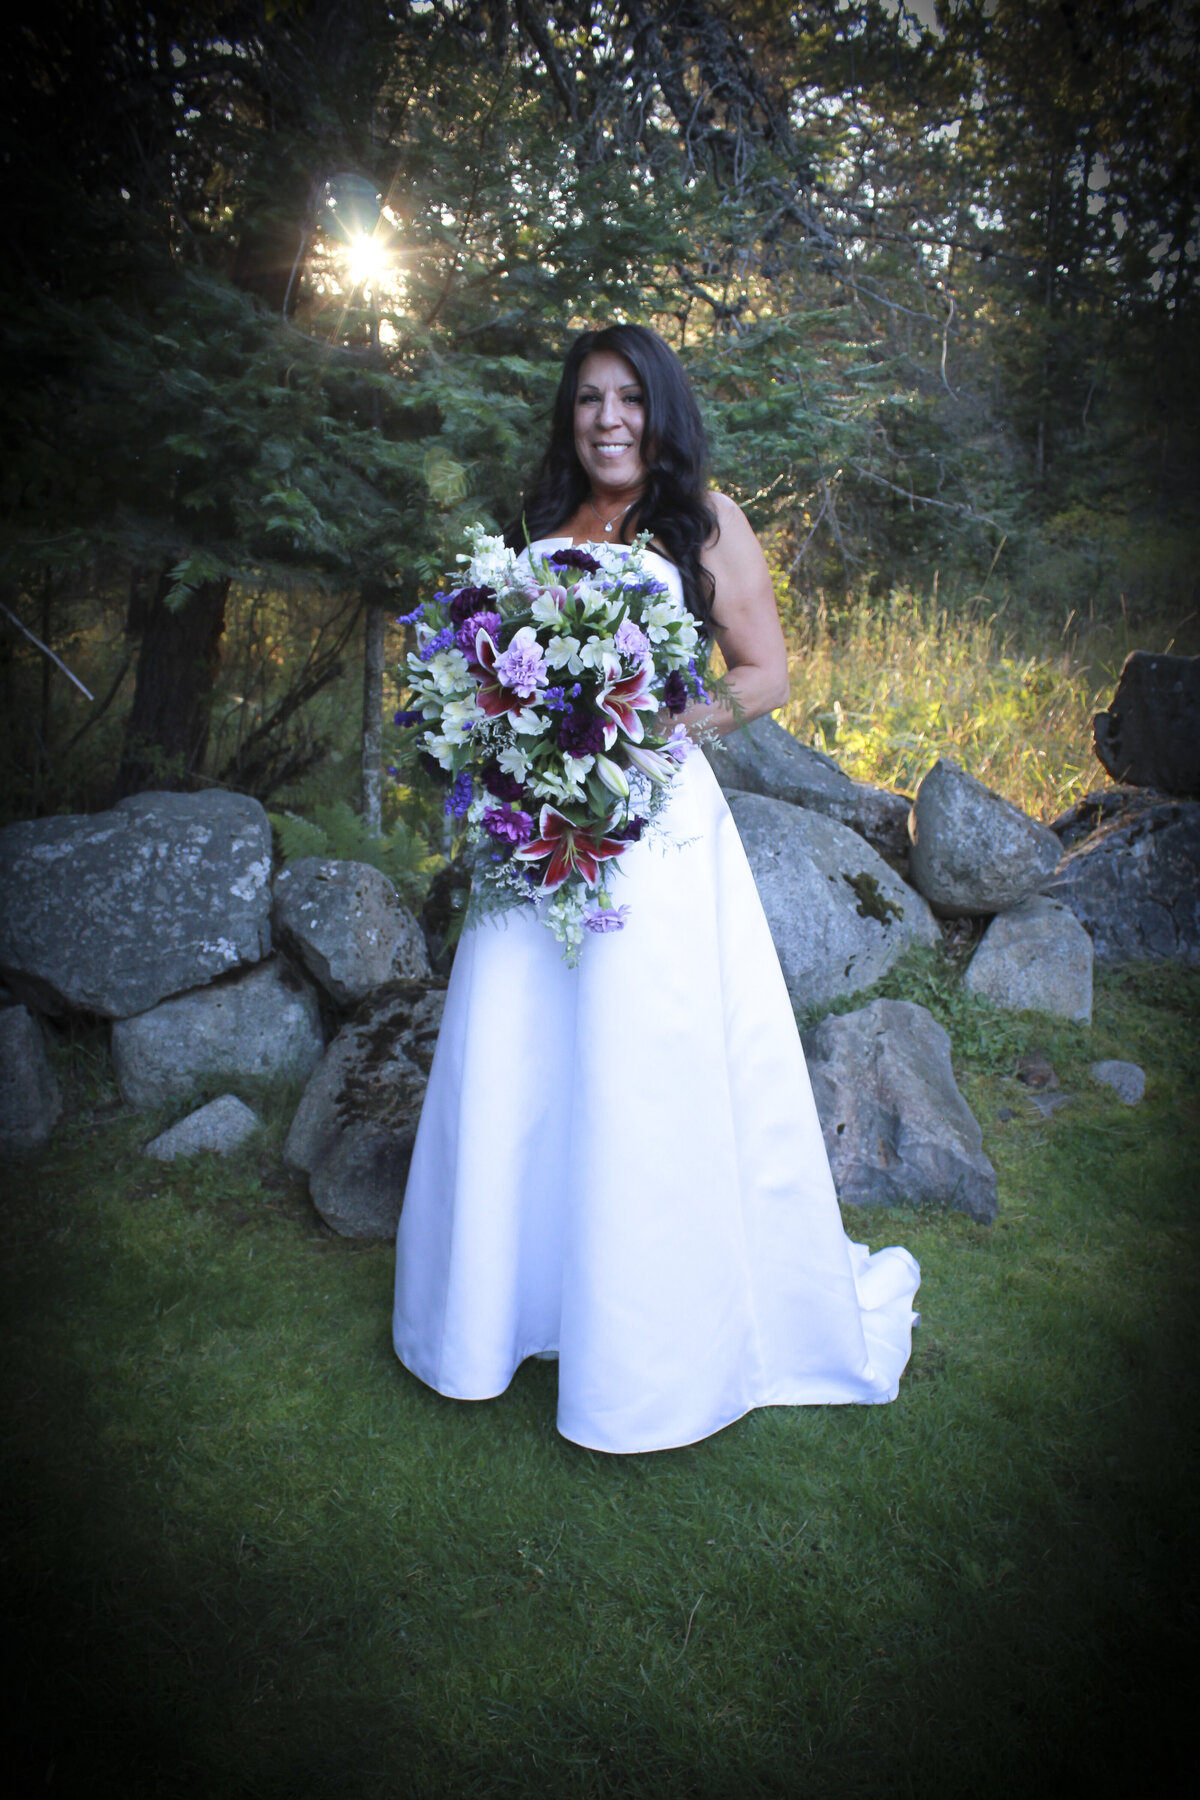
(622, 1163)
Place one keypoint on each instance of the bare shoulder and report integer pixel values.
(733, 544)
(729, 517)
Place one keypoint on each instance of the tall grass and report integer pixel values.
(890, 686)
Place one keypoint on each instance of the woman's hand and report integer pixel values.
(747, 628)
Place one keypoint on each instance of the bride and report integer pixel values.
(620, 1163)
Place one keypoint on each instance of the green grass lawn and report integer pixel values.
(247, 1554)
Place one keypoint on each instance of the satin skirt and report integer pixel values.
(622, 1164)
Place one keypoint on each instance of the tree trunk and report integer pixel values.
(166, 733)
(374, 625)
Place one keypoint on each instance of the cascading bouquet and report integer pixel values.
(533, 689)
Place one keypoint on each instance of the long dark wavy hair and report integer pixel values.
(674, 506)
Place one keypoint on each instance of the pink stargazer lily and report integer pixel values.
(492, 696)
(570, 847)
(621, 701)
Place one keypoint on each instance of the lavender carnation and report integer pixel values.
(606, 918)
(630, 640)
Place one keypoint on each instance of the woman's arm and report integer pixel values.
(747, 627)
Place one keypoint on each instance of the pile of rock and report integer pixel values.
(161, 916)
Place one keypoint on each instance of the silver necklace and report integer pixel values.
(617, 517)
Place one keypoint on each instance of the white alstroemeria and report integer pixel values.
(514, 762)
(528, 722)
(449, 674)
(658, 619)
(459, 717)
(575, 768)
(477, 808)
(440, 750)
(596, 654)
(547, 608)
(564, 653)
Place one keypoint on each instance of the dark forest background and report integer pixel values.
(934, 275)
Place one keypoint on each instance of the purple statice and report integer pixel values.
(574, 693)
(523, 665)
(459, 797)
(412, 617)
(480, 621)
(631, 640)
(580, 733)
(554, 699)
(574, 559)
(675, 693)
(508, 826)
(605, 918)
(630, 832)
(405, 719)
(467, 600)
(500, 784)
(441, 641)
(698, 687)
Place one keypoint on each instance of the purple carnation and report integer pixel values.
(675, 694)
(480, 621)
(500, 784)
(442, 641)
(468, 600)
(630, 832)
(580, 733)
(459, 797)
(606, 918)
(507, 826)
(574, 559)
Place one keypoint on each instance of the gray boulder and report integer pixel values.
(354, 1129)
(1134, 885)
(222, 1127)
(1127, 1080)
(972, 851)
(1150, 735)
(346, 924)
(30, 1099)
(111, 912)
(251, 1027)
(1035, 958)
(896, 1127)
(764, 758)
(839, 916)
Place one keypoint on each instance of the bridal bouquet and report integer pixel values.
(533, 689)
